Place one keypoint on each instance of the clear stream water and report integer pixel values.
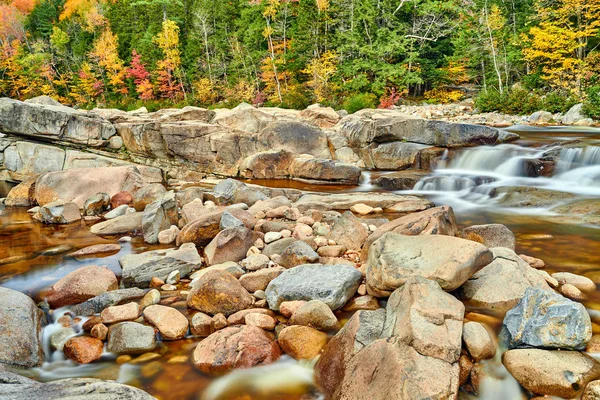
(32, 257)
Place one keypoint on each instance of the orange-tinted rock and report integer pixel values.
(219, 292)
(171, 323)
(239, 346)
(81, 285)
(302, 342)
(121, 198)
(83, 349)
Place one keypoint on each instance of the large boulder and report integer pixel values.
(22, 195)
(450, 261)
(395, 155)
(81, 285)
(219, 292)
(244, 117)
(493, 235)
(230, 191)
(548, 320)
(344, 201)
(295, 137)
(58, 212)
(159, 216)
(551, 372)
(148, 194)
(332, 284)
(78, 185)
(17, 387)
(323, 117)
(201, 230)
(20, 331)
(575, 114)
(139, 269)
(235, 347)
(435, 221)
(230, 245)
(501, 284)
(348, 231)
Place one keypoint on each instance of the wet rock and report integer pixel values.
(259, 280)
(235, 347)
(435, 221)
(501, 284)
(83, 349)
(20, 330)
(201, 230)
(401, 180)
(387, 201)
(59, 338)
(81, 285)
(158, 216)
(545, 319)
(78, 185)
(262, 321)
(478, 341)
(302, 342)
(97, 204)
(363, 328)
(96, 249)
(332, 284)
(129, 223)
(121, 199)
(551, 372)
(125, 312)
(131, 338)
(139, 269)
(315, 314)
(201, 324)
(580, 282)
(519, 196)
(361, 303)
(148, 194)
(230, 245)
(450, 261)
(96, 304)
(349, 232)
(168, 236)
(493, 235)
(16, 387)
(219, 292)
(298, 253)
(171, 324)
(58, 212)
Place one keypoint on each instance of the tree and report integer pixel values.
(141, 77)
(106, 57)
(321, 71)
(170, 83)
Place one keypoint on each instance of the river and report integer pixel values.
(32, 256)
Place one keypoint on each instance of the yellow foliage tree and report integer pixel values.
(107, 59)
(558, 44)
(321, 70)
(170, 83)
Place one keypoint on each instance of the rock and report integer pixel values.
(96, 249)
(229, 221)
(235, 347)
(532, 261)
(269, 204)
(22, 195)
(97, 204)
(16, 387)
(240, 316)
(83, 349)
(259, 280)
(168, 236)
(288, 308)
(545, 319)
(332, 284)
(387, 201)
(278, 246)
(450, 261)
(580, 282)
(230, 245)
(201, 324)
(435, 221)
(323, 117)
(298, 253)
(493, 235)
(121, 199)
(118, 211)
(20, 330)
(130, 338)
(574, 115)
(99, 331)
(361, 209)
(96, 304)
(551, 372)
(315, 314)
(158, 216)
(190, 194)
(349, 232)
(81, 285)
(43, 100)
(125, 312)
(171, 324)
(201, 230)
(478, 341)
(139, 269)
(218, 292)
(148, 194)
(592, 391)
(331, 251)
(270, 237)
(58, 212)
(401, 180)
(262, 321)
(129, 223)
(230, 191)
(60, 337)
(365, 302)
(255, 262)
(501, 284)
(218, 322)
(78, 185)
(541, 118)
(571, 292)
(520, 196)
(243, 117)
(302, 342)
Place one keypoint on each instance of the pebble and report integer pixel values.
(263, 321)
(580, 282)
(99, 331)
(125, 239)
(173, 278)
(168, 288)
(532, 261)
(126, 312)
(271, 237)
(150, 298)
(218, 322)
(178, 360)
(156, 282)
(571, 292)
(145, 358)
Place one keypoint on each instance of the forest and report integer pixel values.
(515, 56)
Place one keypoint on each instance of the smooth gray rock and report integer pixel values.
(229, 221)
(574, 114)
(58, 212)
(16, 387)
(117, 212)
(549, 320)
(159, 216)
(139, 269)
(231, 191)
(131, 338)
(20, 330)
(298, 253)
(278, 246)
(332, 284)
(96, 304)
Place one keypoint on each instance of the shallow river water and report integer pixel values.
(32, 258)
